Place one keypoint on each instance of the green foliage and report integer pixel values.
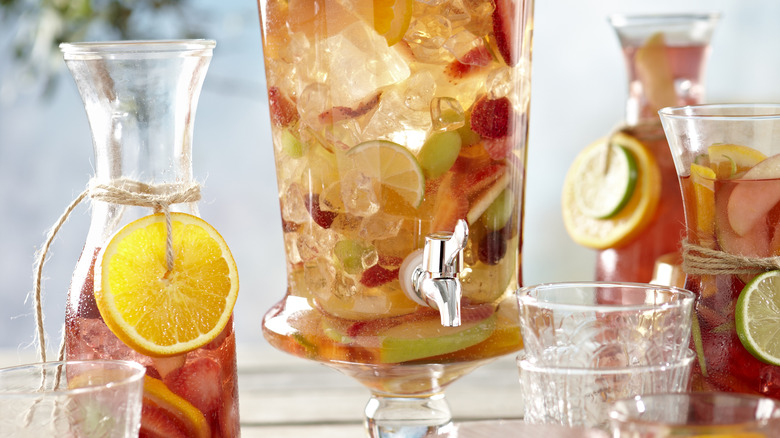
(38, 27)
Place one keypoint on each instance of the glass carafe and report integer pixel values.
(727, 160)
(399, 134)
(665, 60)
(140, 99)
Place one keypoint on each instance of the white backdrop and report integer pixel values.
(579, 88)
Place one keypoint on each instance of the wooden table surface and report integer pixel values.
(281, 396)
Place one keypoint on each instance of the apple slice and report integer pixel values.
(428, 338)
(755, 242)
(750, 202)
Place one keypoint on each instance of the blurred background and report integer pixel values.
(578, 95)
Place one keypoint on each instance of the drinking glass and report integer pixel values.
(597, 324)
(580, 396)
(727, 158)
(100, 398)
(697, 414)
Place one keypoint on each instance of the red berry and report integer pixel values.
(200, 383)
(502, 30)
(156, 422)
(322, 218)
(377, 276)
(473, 60)
(283, 111)
(490, 117)
(498, 148)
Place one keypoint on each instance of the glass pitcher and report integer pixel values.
(140, 98)
(727, 158)
(399, 132)
(638, 238)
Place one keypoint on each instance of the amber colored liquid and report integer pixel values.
(88, 338)
(725, 365)
(350, 309)
(635, 260)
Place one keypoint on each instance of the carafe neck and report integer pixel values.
(665, 58)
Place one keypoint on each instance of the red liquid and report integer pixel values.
(725, 364)
(635, 260)
(205, 377)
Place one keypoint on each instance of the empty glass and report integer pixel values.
(581, 396)
(100, 398)
(596, 325)
(698, 414)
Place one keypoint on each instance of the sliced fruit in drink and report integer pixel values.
(200, 383)
(728, 160)
(392, 165)
(392, 18)
(166, 415)
(754, 243)
(758, 317)
(750, 202)
(703, 179)
(500, 210)
(420, 339)
(655, 72)
(632, 218)
(605, 181)
(160, 311)
(439, 153)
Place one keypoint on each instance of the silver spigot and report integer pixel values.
(430, 277)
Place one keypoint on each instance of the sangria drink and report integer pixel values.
(639, 227)
(728, 157)
(155, 283)
(392, 122)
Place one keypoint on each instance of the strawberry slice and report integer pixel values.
(339, 113)
(473, 60)
(321, 217)
(502, 30)
(490, 117)
(378, 275)
(200, 383)
(283, 111)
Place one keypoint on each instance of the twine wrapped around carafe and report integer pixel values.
(126, 192)
(700, 260)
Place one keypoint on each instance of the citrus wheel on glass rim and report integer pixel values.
(159, 311)
(610, 192)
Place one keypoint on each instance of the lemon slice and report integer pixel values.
(757, 317)
(727, 160)
(632, 218)
(605, 183)
(392, 165)
(160, 312)
(392, 18)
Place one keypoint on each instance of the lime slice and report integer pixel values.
(605, 183)
(392, 165)
(758, 317)
(727, 160)
(629, 220)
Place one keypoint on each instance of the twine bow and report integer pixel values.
(158, 197)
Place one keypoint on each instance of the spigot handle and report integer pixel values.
(444, 251)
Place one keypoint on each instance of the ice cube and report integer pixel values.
(420, 89)
(358, 193)
(446, 114)
(395, 121)
(380, 226)
(356, 63)
(293, 205)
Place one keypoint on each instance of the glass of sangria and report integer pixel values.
(155, 283)
(728, 161)
(621, 195)
(399, 133)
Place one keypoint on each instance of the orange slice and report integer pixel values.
(161, 312)
(633, 216)
(392, 18)
(730, 160)
(166, 414)
(703, 179)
